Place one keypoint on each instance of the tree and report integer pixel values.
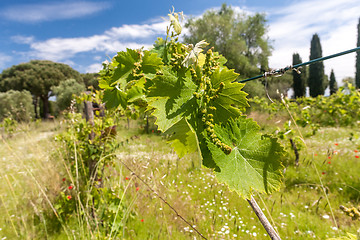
(316, 70)
(333, 83)
(65, 91)
(357, 74)
(37, 76)
(298, 79)
(238, 37)
(91, 80)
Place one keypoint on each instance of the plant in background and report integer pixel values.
(88, 149)
(9, 126)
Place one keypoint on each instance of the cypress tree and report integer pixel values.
(298, 79)
(357, 74)
(316, 70)
(333, 83)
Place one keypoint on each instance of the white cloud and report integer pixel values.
(51, 11)
(94, 68)
(335, 21)
(23, 39)
(107, 44)
(4, 59)
(111, 41)
(137, 31)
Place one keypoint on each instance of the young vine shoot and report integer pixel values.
(197, 102)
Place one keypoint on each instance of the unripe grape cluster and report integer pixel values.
(136, 71)
(177, 55)
(207, 94)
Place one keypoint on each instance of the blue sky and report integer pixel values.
(85, 33)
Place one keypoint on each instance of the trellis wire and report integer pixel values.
(295, 67)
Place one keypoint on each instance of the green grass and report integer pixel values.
(306, 207)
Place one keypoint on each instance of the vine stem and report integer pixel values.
(264, 221)
(162, 199)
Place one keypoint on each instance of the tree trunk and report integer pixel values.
(35, 102)
(45, 100)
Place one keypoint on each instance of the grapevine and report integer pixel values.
(198, 103)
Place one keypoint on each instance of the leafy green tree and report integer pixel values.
(333, 83)
(316, 70)
(357, 74)
(16, 105)
(65, 92)
(298, 79)
(37, 76)
(240, 38)
(91, 80)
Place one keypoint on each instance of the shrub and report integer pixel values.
(16, 105)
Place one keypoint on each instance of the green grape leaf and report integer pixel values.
(114, 97)
(126, 62)
(103, 84)
(183, 138)
(231, 99)
(136, 92)
(150, 64)
(172, 97)
(254, 162)
(161, 50)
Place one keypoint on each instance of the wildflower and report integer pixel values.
(323, 173)
(336, 144)
(356, 151)
(69, 197)
(137, 188)
(329, 162)
(326, 216)
(127, 178)
(315, 154)
(64, 179)
(70, 187)
(142, 220)
(329, 157)
(357, 156)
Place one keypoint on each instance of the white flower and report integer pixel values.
(326, 216)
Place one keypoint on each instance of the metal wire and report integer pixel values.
(281, 71)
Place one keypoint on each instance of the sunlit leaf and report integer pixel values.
(254, 162)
